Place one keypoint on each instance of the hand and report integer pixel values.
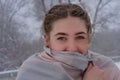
(94, 73)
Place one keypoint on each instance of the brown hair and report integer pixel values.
(63, 11)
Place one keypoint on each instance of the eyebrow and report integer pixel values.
(80, 33)
(61, 33)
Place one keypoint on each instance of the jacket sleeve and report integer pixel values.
(116, 70)
(111, 70)
(40, 70)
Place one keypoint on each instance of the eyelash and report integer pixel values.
(61, 38)
(80, 37)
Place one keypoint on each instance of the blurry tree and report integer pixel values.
(103, 38)
(10, 43)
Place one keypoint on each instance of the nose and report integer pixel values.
(72, 46)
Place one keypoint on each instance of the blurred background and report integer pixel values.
(21, 20)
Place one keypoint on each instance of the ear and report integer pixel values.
(46, 40)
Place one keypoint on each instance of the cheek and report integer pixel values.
(83, 47)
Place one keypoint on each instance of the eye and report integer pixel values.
(80, 37)
(61, 38)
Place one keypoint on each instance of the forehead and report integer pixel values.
(69, 25)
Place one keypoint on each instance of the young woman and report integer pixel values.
(67, 29)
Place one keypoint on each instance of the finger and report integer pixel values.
(90, 66)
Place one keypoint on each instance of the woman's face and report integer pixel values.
(68, 34)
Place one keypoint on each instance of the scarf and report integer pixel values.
(72, 62)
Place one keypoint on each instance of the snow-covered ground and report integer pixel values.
(118, 64)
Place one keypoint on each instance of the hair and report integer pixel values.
(63, 11)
